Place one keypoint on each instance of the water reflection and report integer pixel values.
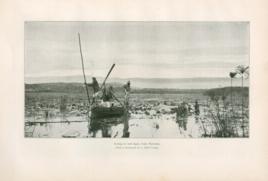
(106, 127)
(136, 125)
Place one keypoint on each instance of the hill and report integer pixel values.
(156, 83)
(80, 88)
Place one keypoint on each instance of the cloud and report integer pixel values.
(180, 49)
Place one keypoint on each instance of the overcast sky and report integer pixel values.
(139, 49)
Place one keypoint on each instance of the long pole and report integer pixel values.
(82, 60)
(117, 100)
(107, 76)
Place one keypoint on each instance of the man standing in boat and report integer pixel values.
(107, 93)
(95, 86)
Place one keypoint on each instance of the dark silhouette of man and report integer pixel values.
(94, 85)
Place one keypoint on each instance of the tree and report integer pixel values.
(242, 71)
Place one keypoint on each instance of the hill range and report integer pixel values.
(157, 83)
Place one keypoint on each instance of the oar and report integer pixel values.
(107, 76)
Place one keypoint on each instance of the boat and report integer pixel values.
(99, 107)
(107, 112)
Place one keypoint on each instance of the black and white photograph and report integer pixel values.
(136, 79)
(134, 90)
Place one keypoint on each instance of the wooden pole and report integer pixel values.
(107, 76)
(117, 100)
(82, 60)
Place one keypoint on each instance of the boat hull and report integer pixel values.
(107, 112)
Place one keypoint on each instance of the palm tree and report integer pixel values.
(242, 70)
(232, 75)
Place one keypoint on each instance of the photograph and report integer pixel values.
(136, 79)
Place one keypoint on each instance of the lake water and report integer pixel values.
(140, 126)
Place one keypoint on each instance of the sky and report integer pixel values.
(139, 49)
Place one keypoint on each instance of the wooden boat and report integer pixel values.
(107, 112)
(101, 110)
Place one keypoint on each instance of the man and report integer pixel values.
(94, 85)
(127, 87)
(107, 94)
(127, 90)
(196, 106)
(182, 114)
(46, 114)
